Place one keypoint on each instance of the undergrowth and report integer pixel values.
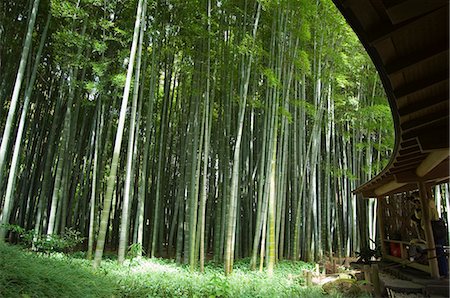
(30, 274)
(26, 274)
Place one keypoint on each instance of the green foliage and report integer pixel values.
(249, 46)
(135, 250)
(99, 47)
(99, 68)
(55, 275)
(66, 9)
(94, 36)
(303, 63)
(119, 80)
(163, 278)
(285, 113)
(25, 274)
(268, 5)
(342, 81)
(89, 86)
(255, 102)
(271, 77)
(47, 243)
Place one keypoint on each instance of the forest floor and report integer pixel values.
(29, 274)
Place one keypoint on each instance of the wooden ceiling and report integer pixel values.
(408, 41)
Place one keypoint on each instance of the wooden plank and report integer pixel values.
(407, 143)
(425, 120)
(385, 31)
(409, 150)
(404, 10)
(428, 82)
(416, 153)
(438, 129)
(411, 161)
(422, 105)
(434, 140)
(415, 59)
(418, 266)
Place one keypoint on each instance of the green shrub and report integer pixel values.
(47, 243)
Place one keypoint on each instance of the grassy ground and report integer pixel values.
(27, 274)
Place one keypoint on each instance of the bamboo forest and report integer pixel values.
(206, 135)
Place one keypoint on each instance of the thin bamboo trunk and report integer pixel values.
(15, 96)
(6, 210)
(124, 226)
(118, 143)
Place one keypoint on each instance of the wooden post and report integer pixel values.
(376, 280)
(380, 213)
(424, 200)
(308, 278)
(366, 270)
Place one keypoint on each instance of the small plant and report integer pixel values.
(366, 254)
(135, 250)
(218, 286)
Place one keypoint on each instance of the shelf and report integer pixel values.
(404, 259)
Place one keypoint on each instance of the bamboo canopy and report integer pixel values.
(408, 41)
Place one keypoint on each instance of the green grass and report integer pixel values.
(27, 274)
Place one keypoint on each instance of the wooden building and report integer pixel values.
(408, 41)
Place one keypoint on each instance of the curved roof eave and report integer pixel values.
(408, 42)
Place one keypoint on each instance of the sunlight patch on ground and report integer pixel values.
(146, 266)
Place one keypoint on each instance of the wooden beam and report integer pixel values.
(408, 167)
(423, 104)
(429, 142)
(403, 10)
(434, 138)
(408, 143)
(431, 161)
(438, 129)
(390, 4)
(415, 59)
(347, 3)
(409, 156)
(426, 218)
(388, 187)
(409, 150)
(406, 177)
(420, 85)
(384, 31)
(412, 161)
(425, 119)
(439, 175)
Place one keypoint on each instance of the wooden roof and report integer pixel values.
(408, 41)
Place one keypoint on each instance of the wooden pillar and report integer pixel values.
(366, 270)
(376, 281)
(380, 213)
(432, 260)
